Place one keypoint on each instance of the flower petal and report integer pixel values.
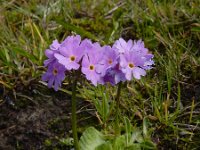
(62, 60)
(138, 72)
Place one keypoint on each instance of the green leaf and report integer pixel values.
(196, 29)
(105, 146)
(66, 141)
(91, 139)
(128, 129)
(148, 145)
(25, 54)
(134, 147)
(136, 136)
(119, 143)
(145, 130)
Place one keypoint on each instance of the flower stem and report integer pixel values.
(74, 121)
(117, 127)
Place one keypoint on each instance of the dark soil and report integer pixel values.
(34, 120)
(34, 117)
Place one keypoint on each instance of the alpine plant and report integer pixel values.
(99, 64)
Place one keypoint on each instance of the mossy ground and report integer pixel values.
(169, 96)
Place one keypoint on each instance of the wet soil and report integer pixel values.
(30, 119)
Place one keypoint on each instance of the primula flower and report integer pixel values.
(121, 45)
(53, 48)
(114, 75)
(148, 64)
(131, 64)
(71, 52)
(121, 62)
(134, 58)
(55, 74)
(109, 60)
(90, 63)
(139, 48)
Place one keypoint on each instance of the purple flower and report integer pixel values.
(131, 64)
(54, 48)
(121, 45)
(71, 52)
(90, 63)
(139, 48)
(55, 74)
(134, 58)
(121, 62)
(148, 64)
(110, 59)
(114, 75)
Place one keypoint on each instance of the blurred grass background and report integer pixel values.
(169, 96)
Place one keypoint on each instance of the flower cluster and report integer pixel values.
(100, 64)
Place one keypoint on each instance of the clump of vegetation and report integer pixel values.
(162, 107)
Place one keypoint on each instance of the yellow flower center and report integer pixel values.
(110, 61)
(55, 72)
(72, 58)
(131, 65)
(91, 67)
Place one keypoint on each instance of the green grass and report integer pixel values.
(170, 29)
